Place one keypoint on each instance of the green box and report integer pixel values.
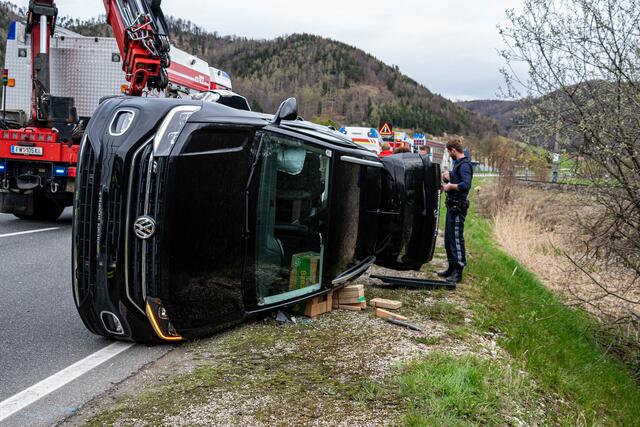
(304, 270)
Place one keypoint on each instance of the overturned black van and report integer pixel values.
(192, 216)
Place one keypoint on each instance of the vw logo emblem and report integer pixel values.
(144, 227)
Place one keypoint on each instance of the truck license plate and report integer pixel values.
(27, 151)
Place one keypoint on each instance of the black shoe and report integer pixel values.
(456, 276)
(447, 272)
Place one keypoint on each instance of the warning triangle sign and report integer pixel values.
(386, 129)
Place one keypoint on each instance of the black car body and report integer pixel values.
(193, 216)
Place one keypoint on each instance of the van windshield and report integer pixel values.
(291, 219)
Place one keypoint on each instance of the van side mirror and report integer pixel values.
(288, 110)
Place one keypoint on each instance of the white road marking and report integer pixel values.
(37, 391)
(29, 232)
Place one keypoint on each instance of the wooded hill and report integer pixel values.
(331, 80)
(507, 114)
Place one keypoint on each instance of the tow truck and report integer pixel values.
(41, 132)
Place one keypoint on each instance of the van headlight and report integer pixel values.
(171, 128)
(160, 322)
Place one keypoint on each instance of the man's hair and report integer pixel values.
(455, 144)
(386, 147)
(402, 149)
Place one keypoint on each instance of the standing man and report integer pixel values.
(457, 186)
(386, 150)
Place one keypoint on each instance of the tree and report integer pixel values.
(255, 106)
(583, 62)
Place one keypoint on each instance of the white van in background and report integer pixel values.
(368, 138)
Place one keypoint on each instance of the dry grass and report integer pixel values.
(540, 229)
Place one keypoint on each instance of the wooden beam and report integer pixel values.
(389, 304)
(383, 314)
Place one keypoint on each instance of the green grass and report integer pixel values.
(558, 348)
(449, 390)
(556, 344)
(443, 311)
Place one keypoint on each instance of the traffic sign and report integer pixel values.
(5, 77)
(386, 129)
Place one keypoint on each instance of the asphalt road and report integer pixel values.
(42, 333)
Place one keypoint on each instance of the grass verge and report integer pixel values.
(556, 344)
(448, 390)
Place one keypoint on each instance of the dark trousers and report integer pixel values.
(454, 238)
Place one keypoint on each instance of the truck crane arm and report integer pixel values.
(142, 35)
(41, 24)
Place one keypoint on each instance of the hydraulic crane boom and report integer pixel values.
(41, 24)
(141, 31)
(38, 161)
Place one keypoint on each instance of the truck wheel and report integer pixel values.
(46, 209)
(43, 210)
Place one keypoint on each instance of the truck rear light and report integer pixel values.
(72, 172)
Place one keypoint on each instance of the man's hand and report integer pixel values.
(446, 177)
(450, 187)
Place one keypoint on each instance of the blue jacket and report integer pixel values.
(461, 174)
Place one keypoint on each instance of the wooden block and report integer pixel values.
(316, 306)
(329, 301)
(384, 314)
(350, 300)
(385, 303)
(349, 307)
(315, 310)
(348, 294)
(352, 288)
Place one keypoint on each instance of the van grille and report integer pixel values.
(143, 255)
(86, 220)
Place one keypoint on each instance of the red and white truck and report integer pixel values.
(58, 79)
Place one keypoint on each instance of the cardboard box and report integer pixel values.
(304, 270)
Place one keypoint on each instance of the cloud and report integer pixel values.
(448, 46)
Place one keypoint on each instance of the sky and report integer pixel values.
(450, 46)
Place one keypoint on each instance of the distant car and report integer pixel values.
(192, 216)
(368, 138)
